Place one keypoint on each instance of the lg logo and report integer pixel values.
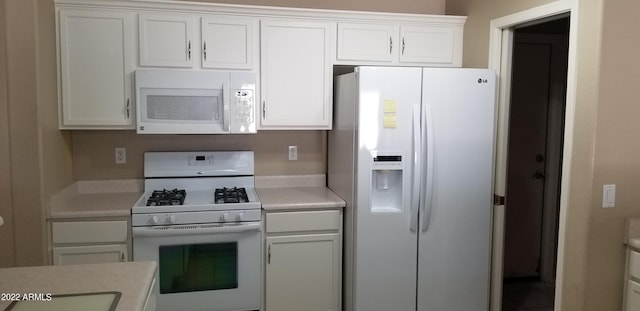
(480, 81)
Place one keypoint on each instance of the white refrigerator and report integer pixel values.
(411, 152)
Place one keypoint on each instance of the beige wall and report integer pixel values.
(94, 151)
(7, 257)
(617, 154)
(38, 155)
(476, 30)
(605, 147)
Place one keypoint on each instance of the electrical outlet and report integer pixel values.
(121, 155)
(293, 153)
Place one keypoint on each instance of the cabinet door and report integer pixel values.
(303, 272)
(165, 40)
(228, 42)
(95, 49)
(367, 42)
(428, 45)
(296, 75)
(71, 255)
(633, 296)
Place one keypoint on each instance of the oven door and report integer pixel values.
(203, 267)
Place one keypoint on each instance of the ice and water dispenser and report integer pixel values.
(387, 189)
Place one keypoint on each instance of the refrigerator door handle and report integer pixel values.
(425, 203)
(417, 158)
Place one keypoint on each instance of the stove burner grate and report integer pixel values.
(231, 195)
(167, 197)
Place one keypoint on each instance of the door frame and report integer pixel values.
(501, 40)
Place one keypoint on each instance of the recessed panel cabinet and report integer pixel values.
(165, 40)
(296, 75)
(90, 241)
(304, 261)
(102, 43)
(632, 281)
(217, 42)
(398, 44)
(96, 63)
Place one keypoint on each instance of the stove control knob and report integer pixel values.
(154, 220)
(239, 216)
(224, 217)
(171, 219)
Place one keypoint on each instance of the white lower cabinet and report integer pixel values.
(303, 261)
(633, 296)
(90, 241)
(71, 255)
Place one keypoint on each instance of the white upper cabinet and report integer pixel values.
(438, 45)
(220, 42)
(228, 42)
(96, 59)
(431, 45)
(165, 40)
(296, 74)
(366, 42)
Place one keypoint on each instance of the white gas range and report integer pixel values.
(200, 219)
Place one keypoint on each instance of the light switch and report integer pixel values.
(608, 196)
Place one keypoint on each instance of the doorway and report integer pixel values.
(534, 163)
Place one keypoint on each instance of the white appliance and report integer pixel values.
(200, 220)
(195, 102)
(411, 153)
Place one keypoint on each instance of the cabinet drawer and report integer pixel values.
(89, 231)
(303, 221)
(634, 264)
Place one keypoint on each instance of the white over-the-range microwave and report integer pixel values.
(195, 102)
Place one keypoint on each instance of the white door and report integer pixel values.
(228, 42)
(296, 75)
(432, 45)
(303, 272)
(367, 42)
(455, 224)
(96, 65)
(385, 245)
(166, 40)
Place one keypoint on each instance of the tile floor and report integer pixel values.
(527, 295)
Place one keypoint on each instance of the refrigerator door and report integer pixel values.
(384, 276)
(455, 227)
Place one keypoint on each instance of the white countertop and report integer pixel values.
(96, 198)
(132, 279)
(297, 198)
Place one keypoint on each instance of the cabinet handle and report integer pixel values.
(189, 50)
(390, 44)
(269, 255)
(402, 45)
(204, 51)
(264, 109)
(128, 110)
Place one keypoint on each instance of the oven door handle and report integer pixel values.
(194, 229)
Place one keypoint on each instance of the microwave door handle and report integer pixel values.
(226, 113)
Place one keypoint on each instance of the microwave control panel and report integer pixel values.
(243, 106)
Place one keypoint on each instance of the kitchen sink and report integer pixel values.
(98, 301)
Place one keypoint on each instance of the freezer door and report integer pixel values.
(455, 227)
(384, 270)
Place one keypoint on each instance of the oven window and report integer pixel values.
(198, 267)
